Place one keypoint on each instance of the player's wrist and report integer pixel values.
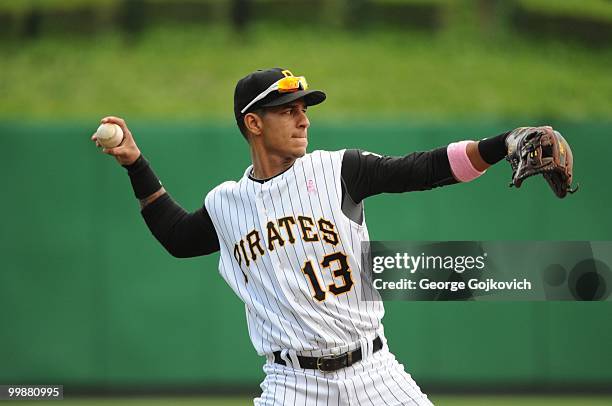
(492, 150)
(138, 163)
(130, 158)
(143, 179)
(135, 161)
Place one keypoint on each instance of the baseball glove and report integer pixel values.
(535, 150)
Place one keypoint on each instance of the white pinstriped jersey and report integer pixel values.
(294, 258)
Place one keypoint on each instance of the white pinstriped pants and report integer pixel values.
(377, 380)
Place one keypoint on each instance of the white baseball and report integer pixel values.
(109, 135)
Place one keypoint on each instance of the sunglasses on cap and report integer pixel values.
(288, 84)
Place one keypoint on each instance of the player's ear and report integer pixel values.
(253, 123)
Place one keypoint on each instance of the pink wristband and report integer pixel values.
(460, 163)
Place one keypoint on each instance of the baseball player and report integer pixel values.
(289, 234)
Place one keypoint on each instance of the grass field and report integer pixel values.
(189, 73)
(437, 400)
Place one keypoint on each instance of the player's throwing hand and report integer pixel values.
(125, 153)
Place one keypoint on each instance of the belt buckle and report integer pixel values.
(321, 360)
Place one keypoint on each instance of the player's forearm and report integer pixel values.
(182, 234)
(470, 159)
(475, 158)
(151, 198)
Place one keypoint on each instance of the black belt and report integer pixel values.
(331, 362)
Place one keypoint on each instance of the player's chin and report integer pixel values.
(299, 146)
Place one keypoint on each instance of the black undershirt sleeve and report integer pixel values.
(183, 234)
(365, 174)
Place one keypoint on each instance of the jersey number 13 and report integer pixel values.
(342, 271)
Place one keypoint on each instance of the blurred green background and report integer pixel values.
(90, 300)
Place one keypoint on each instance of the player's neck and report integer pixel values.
(266, 165)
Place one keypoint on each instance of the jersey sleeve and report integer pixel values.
(183, 234)
(367, 174)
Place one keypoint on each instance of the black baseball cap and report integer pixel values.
(250, 86)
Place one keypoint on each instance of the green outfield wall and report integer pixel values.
(88, 297)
